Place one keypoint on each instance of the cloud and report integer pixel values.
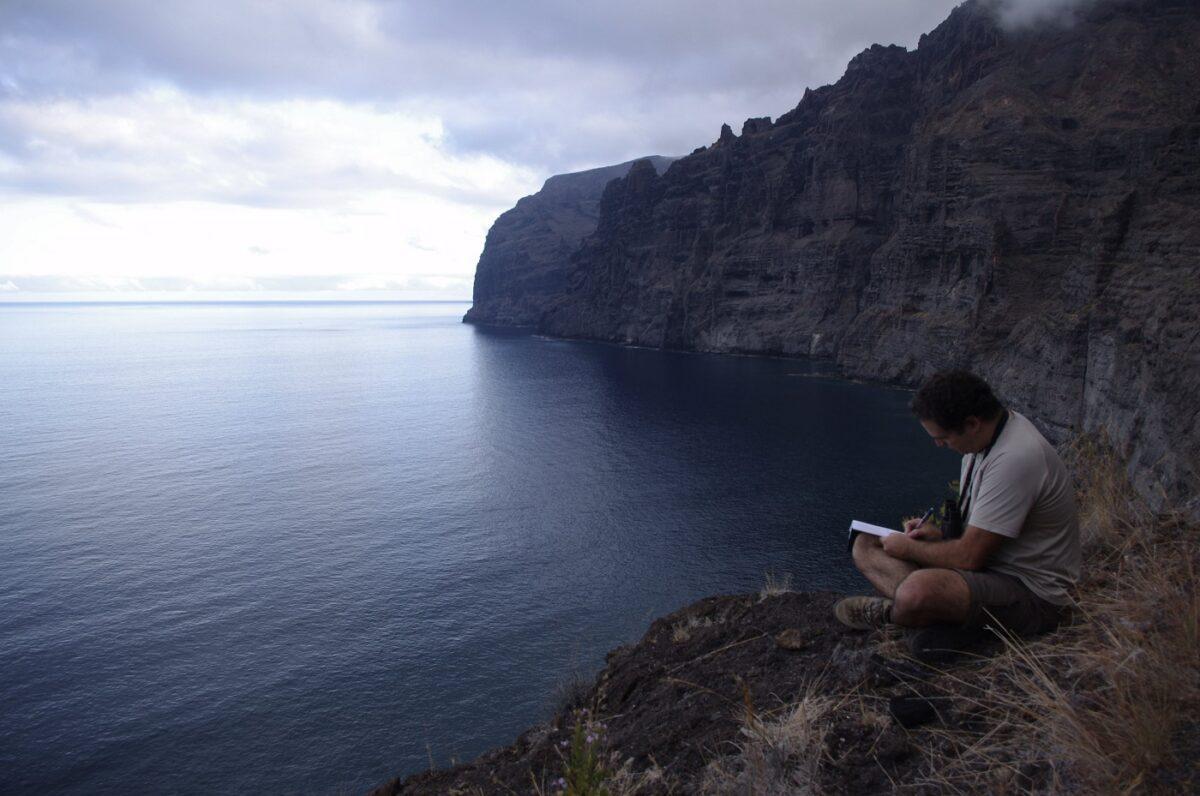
(552, 85)
(76, 284)
(1016, 14)
(458, 287)
(431, 283)
(364, 141)
(43, 238)
(163, 145)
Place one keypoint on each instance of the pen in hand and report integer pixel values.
(924, 519)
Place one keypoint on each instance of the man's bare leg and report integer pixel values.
(884, 572)
(931, 597)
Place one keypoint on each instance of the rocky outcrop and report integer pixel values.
(679, 698)
(1024, 203)
(522, 265)
(769, 694)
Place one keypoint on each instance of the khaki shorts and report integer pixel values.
(1003, 599)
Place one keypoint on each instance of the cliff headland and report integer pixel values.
(1021, 202)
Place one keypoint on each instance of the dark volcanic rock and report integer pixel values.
(521, 268)
(1022, 203)
(679, 698)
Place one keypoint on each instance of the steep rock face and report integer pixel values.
(1022, 203)
(521, 267)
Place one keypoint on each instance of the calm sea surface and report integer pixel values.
(307, 547)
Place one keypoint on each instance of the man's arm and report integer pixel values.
(970, 551)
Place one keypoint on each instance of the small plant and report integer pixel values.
(940, 517)
(584, 770)
(571, 693)
(775, 586)
(682, 631)
(780, 753)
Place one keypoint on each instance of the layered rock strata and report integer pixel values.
(1024, 203)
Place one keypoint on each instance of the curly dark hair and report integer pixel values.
(950, 397)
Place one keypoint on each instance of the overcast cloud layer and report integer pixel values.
(363, 144)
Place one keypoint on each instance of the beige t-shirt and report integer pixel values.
(1022, 490)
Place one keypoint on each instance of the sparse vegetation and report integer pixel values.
(1098, 706)
(781, 752)
(584, 772)
(1107, 704)
(590, 769)
(682, 631)
(775, 585)
(571, 693)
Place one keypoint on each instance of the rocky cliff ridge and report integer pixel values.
(522, 268)
(1024, 203)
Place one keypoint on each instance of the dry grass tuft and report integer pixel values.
(682, 631)
(1096, 707)
(780, 754)
(775, 586)
(571, 693)
(1110, 512)
(626, 781)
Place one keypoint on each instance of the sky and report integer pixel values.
(365, 145)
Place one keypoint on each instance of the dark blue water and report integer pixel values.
(308, 547)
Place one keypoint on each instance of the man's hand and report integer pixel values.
(927, 532)
(972, 551)
(896, 544)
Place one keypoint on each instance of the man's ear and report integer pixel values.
(971, 425)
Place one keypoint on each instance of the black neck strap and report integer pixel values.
(964, 489)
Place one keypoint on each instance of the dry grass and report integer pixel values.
(774, 586)
(571, 693)
(682, 631)
(1098, 707)
(780, 753)
(626, 781)
(1110, 512)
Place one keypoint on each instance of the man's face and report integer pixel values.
(960, 442)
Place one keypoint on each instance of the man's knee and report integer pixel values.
(918, 593)
(931, 595)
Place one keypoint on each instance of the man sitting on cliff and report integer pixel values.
(1018, 554)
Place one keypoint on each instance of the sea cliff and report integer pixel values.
(1021, 202)
(521, 268)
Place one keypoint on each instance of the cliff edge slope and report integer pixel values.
(766, 693)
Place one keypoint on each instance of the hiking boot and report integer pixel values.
(863, 613)
(942, 644)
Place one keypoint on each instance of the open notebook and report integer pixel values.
(866, 527)
(857, 526)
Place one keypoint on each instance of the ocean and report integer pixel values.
(309, 546)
